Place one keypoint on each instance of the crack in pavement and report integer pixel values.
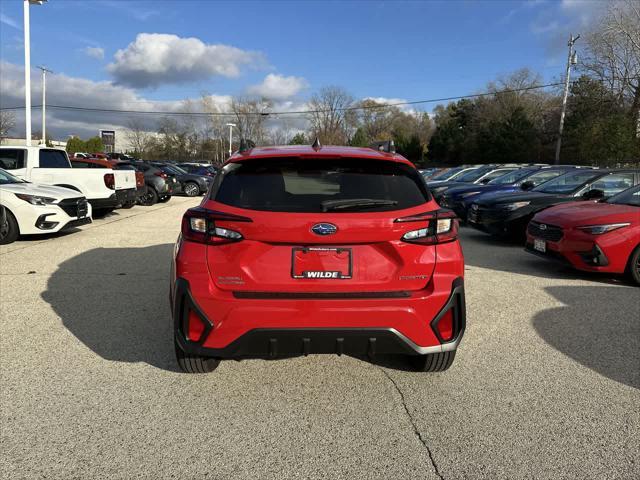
(413, 424)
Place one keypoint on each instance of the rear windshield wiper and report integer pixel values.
(356, 203)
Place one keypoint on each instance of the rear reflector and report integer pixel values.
(195, 327)
(445, 326)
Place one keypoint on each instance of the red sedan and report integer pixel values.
(595, 237)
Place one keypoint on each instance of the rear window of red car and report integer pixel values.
(302, 185)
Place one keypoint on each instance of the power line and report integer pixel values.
(298, 112)
(378, 106)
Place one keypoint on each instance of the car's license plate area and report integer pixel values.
(539, 245)
(329, 263)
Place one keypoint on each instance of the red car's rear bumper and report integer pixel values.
(260, 324)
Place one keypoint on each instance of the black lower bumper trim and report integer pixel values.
(77, 223)
(276, 342)
(101, 203)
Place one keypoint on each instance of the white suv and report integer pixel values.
(29, 208)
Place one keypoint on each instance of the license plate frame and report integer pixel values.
(539, 245)
(339, 274)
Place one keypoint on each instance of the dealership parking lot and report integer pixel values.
(546, 383)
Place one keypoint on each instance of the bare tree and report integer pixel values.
(214, 129)
(137, 137)
(613, 53)
(7, 122)
(250, 116)
(376, 119)
(329, 118)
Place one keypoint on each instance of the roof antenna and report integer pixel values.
(316, 144)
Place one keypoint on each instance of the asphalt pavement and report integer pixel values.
(546, 382)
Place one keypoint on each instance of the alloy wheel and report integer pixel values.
(191, 189)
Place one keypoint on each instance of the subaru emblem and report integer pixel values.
(324, 229)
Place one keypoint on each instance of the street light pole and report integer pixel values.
(231, 125)
(571, 60)
(44, 102)
(27, 68)
(27, 75)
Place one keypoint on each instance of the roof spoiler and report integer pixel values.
(387, 146)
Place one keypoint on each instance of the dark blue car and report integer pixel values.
(459, 199)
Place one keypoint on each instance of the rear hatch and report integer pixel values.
(320, 225)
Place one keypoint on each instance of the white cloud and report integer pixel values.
(94, 52)
(278, 86)
(80, 92)
(154, 59)
(7, 20)
(394, 101)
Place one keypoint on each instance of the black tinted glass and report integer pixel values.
(53, 159)
(302, 185)
(11, 158)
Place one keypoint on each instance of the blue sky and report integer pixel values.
(393, 49)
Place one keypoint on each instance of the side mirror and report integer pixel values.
(595, 194)
(528, 185)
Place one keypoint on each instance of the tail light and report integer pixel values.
(441, 227)
(161, 174)
(199, 225)
(110, 181)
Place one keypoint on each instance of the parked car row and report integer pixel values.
(584, 216)
(42, 190)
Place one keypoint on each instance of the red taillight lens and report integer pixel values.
(445, 326)
(110, 181)
(441, 227)
(195, 327)
(161, 174)
(199, 225)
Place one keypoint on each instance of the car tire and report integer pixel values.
(164, 199)
(633, 268)
(434, 362)
(195, 363)
(191, 189)
(149, 198)
(10, 231)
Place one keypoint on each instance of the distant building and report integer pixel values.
(108, 138)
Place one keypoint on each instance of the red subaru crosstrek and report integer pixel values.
(595, 237)
(302, 250)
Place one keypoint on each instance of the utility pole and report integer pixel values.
(44, 102)
(27, 68)
(572, 59)
(27, 75)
